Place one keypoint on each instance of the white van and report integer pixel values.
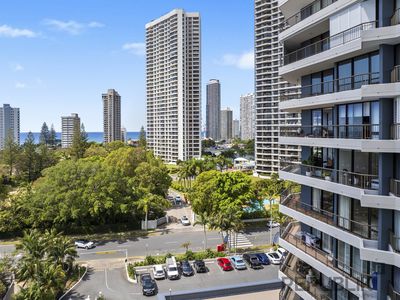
(172, 268)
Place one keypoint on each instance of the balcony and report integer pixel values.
(393, 294)
(334, 86)
(338, 222)
(328, 43)
(342, 177)
(315, 257)
(395, 75)
(295, 271)
(305, 12)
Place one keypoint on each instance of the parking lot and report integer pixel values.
(113, 284)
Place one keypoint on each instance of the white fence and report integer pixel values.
(153, 224)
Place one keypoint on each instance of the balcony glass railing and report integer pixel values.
(296, 271)
(328, 43)
(334, 86)
(364, 131)
(290, 236)
(358, 180)
(395, 19)
(305, 12)
(363, 230)
(395, 187)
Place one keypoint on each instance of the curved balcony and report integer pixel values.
(338, 222)
(343, 177)
(324, 262)
(305, 12)
(328, 43)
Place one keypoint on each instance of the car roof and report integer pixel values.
(236, 257)
(158, 267)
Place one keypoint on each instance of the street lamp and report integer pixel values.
(170, 290)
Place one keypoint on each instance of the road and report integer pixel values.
(169, 240)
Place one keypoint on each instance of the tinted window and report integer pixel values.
(344, 75)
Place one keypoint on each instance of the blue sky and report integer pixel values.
(58, 56)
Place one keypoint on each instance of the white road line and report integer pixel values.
(105, 272)
(171, 243)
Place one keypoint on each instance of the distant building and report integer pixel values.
(111, 116)
(236, 129)
(226, 124)
(9, 124)
(69, 125)
(213, 108)
(173, 82)
(124, 135)
(247, 116)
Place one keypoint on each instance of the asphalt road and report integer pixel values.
(158, 244)
(113, 284)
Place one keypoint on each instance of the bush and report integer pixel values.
(189, 255)
(3, 289)
(168, 255)
(131, 271)
(258, 214)
(149, 260)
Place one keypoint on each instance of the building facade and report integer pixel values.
(213, 108)
(111, 116)
(69, 125)
(269, 88)
(236, 129)
(226, 124)
(124, 135)
(247, 116)
(174, 86)
(9, 124)
(344, 241)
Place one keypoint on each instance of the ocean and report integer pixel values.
(92, 136)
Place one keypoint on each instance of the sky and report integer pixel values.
(59, 56)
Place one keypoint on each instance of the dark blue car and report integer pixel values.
(263, 258)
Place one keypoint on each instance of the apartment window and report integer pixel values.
(344, 76)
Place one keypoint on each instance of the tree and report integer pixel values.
(149, 202)
(79, 142)
(203, 220)
(44, 134)
(28, 159)
(10, 153)
(186, 245)
(52, 137)
(142, 138)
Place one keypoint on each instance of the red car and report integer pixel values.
(225, 264)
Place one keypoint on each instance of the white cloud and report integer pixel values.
(8, 31)
(71, 27)
(18, 67)
(244, 61)
(20, 85)
(135, 48)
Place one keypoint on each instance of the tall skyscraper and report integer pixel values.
(226, 124)
(247, 116)
(9, 124)
(124, 135)
(236, 129)
(69, 125)
(213, 109)
(269, 88)
(111, 116)
(346, 54)
(173, 86)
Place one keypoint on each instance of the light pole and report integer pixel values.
(270, 222)
(170, 296)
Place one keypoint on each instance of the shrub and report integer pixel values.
(3, 288)
(189, 255)
(209, 253)
(131, 271)
(149, 260)
(168, 255)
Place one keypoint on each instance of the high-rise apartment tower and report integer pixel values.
(213, 109)
(69, 125)
(9, 124)
(111, 116)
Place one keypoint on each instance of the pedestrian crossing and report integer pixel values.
(240, 241)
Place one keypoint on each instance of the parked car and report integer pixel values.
(274, 257)
(186, 268)
(263, 258)
(158, 272)
(238, 262)
(224, 263)
(200, 266)
(178, 200)
(281, 252)
(149, 286)
(185, 221)
(272, 224)
(252, 261)
(84, 244)
(172, 268)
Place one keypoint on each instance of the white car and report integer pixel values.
(158, 272)
(185, 221)
(84, 244)
(274, 258)
(281, 252)
(272, 224)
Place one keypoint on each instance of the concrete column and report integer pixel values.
(385, 12)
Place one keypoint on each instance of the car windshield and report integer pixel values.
(172, 269)
(274, 255)
(148, 284)
(160, 271)
(239, 261)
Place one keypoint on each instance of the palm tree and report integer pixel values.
(203, 220)
(150, 201)
(62, 250)
(186, 245)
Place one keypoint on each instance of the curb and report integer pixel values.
(127, 275)
(79, 281)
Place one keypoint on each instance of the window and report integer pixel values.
(361, 68)
(344, 76)
(344, 257)
(344, 212)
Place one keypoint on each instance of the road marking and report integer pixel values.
(171, 243)
(105, 272)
